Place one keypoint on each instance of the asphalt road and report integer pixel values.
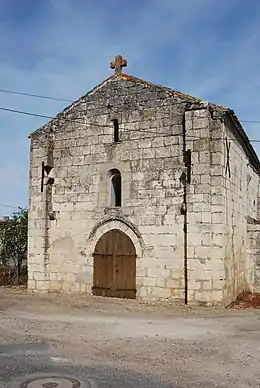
(58, 342)
(26, 361)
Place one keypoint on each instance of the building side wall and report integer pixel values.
(222, 198)
(240, 195)
(229, 202)
(253, 235)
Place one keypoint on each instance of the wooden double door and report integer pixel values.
(114, 266)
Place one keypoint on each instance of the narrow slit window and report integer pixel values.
(116, 131)
(115, 188)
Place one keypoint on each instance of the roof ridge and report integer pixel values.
(129, 78)
(171, 90)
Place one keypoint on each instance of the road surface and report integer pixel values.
(75, 342)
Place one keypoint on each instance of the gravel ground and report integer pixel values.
(126, 343)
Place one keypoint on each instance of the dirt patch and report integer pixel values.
(19, 295)
(55, 334)
(246, 300)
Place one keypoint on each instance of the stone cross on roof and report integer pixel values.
(118, 63)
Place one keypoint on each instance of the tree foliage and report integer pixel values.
(13, 240)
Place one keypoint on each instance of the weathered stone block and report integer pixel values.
(31, 285)
(41, 285)
(217, 218)
(161, 292)
(158, 272)
(149, 282)
(39, 276)
(194, 217)
(55, 286)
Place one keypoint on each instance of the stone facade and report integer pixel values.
(187, 193)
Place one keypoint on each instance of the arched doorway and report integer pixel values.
(114, 266)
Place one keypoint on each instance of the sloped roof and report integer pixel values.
(241, 134)
(128, 77)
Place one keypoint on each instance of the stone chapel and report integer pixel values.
(141, 191)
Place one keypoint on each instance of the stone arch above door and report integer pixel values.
(106, 226)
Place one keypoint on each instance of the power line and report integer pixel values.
(35, 95)
(12, 207)
(106, 126)
(71, 120)
(25, 113)
(7, 91)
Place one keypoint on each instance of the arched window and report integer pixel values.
(115, 187)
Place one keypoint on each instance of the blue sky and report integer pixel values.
(208, 48)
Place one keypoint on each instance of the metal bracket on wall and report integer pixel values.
(46, 169)
(227, 170)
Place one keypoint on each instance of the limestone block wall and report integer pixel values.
(221, 197)
(240, 195)
(38, 222)
(150, 159)
(205, 207)
(253, 251)
(237, 193)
